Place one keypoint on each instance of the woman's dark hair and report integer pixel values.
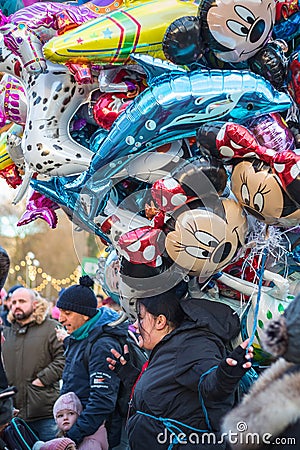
(166, 304)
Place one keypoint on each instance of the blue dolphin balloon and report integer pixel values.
(176, 103)
(173, 107)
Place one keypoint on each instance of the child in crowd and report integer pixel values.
(66, 410)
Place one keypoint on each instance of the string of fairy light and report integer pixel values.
(32, 271)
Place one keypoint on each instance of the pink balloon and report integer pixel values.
(39, 207)
(30, 2)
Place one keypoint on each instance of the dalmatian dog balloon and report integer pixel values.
(235, 30)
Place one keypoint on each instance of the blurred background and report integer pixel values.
(43, 258)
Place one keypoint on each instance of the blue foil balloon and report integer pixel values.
(288, 29)
(174, 106)
(68, 201)
(97, 138)
(9, 7)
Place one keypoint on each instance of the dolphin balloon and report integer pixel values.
(176, 103)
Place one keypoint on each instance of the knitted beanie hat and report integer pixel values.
(79, 298)
(68, 401)
(54, 444)
(282, 336)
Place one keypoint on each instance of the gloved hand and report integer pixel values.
(238, 361)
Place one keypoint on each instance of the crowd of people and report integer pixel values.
(68, 372)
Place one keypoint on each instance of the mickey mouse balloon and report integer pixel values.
(235, 30)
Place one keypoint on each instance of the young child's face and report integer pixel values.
(65, 419)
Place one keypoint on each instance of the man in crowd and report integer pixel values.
(34, 360)
(7, 304)
(91, 337)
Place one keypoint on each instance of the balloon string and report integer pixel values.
(260, 273)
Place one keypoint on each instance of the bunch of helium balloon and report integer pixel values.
(170, 130)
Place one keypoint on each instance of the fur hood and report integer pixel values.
(272, 404)
(39, 315)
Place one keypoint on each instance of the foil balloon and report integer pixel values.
(293, 77)
(206, 137)
(8, 169)
(96, 139)
(181, 101)
(11, 176)
(109, 107)
(13, 101)
(26, 30)
(39, 207)
(287, 29)
(112, 103)
(188, 226)
(53, 98)
(110, 39)
(151, 166)
(204, 241)
(236, 30)
(265, 182)
(53, 189)
(8, 7)
(271, 63)
(115, 221)
(271, 131)
(274, 300)
(285, 9)
(182, 42)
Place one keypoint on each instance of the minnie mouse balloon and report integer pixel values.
(265, 182)
(236, 29)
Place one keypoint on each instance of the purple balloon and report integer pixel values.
(39, 207)
(272, 132)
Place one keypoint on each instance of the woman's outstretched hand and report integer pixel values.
(238, 355)
(119, 360)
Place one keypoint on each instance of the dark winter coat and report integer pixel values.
(91, 380)
(169, 387)
(31, 352)
(270, 411)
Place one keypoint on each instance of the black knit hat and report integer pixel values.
(282, 336)
(79, 298)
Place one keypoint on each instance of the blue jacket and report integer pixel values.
(92, 381)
